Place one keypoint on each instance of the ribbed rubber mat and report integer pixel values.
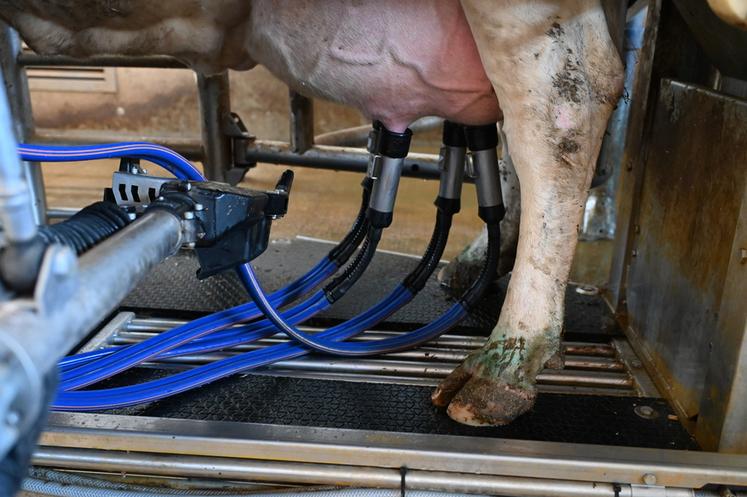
(172, 289)
(404, 408)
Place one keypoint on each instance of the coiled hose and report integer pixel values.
(20, 262)
(88, 227)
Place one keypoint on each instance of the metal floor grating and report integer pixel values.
(596, 398)
(592, 399)
(602, 368)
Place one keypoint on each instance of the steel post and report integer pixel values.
(301, 122)
(215, 108)
(17, 89)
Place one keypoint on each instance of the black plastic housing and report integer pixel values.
(234, 223)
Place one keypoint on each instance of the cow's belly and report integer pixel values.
(394, 60)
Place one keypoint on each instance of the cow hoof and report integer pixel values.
(485, 402)
(494, 385)
(482, 401)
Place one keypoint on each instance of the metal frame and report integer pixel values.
(672, 57)
(17, 90)
(277, 453)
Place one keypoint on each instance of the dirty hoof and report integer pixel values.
(495, 385)
(486, 402)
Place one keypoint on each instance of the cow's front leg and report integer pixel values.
(557, 76)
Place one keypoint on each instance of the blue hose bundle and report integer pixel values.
(162, 156)
(214, 332)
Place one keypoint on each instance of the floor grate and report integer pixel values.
(606, 368)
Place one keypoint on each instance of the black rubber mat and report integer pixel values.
(172, 290)
(403, 408)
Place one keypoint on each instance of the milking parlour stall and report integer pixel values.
(373, 248)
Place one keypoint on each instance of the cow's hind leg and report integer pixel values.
(557, 76)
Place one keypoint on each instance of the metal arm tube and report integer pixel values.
(107, 273)
(16, 209)
(33, 339)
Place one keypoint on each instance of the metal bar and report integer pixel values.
(431, 382)
(190, 147)
(20, 105)
(301, 122)
(215, 108)
(589, 349)
(336, 475)
(16, 207)
(451, 342)
(336, 158)
(154, 61)
(269, 152)
(103, 337)
(473, 455)
(425, 355)
(422, 369)
(630, 181)
(153, 325)
(643, 383)
(320, 474)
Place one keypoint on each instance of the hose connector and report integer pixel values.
(483, 167)
(388, 150)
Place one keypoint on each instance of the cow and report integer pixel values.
(548, 68)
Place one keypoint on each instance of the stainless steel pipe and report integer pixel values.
(106, 274)
(328, 474)
(16, 208)
(69, 302)
(337, 158)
